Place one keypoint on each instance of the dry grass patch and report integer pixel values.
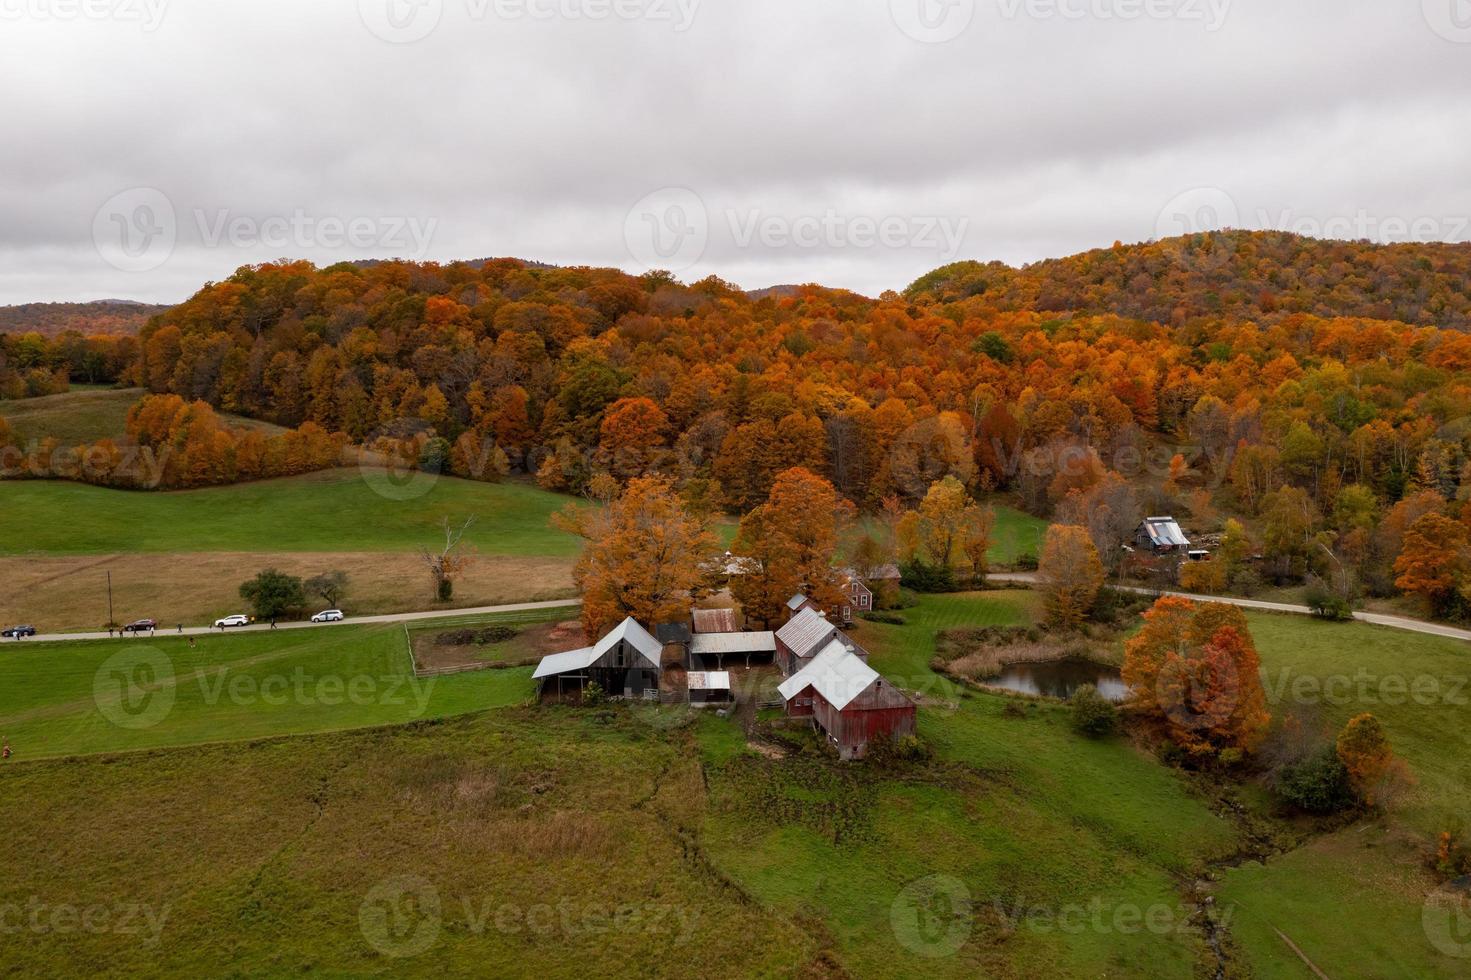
(982, 654)
(64, 594)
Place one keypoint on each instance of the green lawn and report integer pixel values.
(787, 866)
(1368, 874)
(118, 695)
(1028, 820)
(338, 510)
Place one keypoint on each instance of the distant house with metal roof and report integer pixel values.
(1161, 536)
(847, 699)
(626, 663)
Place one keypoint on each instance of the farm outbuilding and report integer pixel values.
(710, 687)
(624, 663)
(799, 640)
(848, 700)
(707, 649)
(1161, 536)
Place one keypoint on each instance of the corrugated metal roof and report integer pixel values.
(709, 680)
(796, 601)
(627, 631)
(715, 621)
(562, 663)
(806, 632)
(1165, 533)
(721, 643)
(835, 673)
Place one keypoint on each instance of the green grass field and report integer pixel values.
(85, 414)
(121, 695)
(1368, 874)
(1061, 848)
(337, 510)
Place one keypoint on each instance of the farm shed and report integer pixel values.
(710, 687)
(626, 662)
(707, 648)
(799, 602)
(848, 700)
(1161, 536)
(801, 638)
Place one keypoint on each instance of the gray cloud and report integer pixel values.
(1044, 127)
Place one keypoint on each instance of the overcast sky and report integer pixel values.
(150, 146)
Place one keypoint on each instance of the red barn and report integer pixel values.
(848, 700)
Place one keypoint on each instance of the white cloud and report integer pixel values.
(1040, 132)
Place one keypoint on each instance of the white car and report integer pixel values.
(239, 619)
(328, 616)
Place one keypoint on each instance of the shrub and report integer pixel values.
(1318, 784)
(1013, 709)
(446, 589)
(887, 618)
(1093, 714)
(1328, 605)
(593, 695)
(924, 577)
(911, 748)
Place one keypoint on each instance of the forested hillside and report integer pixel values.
(1262, 276)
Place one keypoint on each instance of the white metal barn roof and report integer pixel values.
(627, 631)
(723, 643)
(836, 673)
(795, 602)
(562, 663)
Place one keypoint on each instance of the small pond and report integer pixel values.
(1060, 678)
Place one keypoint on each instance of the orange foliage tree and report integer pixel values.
(644, 556)
(1070, 574)
(1195, 667)
(791, 541)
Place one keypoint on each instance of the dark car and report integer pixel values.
(16, 632)
(141, 626)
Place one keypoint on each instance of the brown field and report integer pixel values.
(530, 644)
(63, 594)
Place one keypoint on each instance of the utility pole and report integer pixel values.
(109, 598)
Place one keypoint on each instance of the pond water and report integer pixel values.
(1060, 678)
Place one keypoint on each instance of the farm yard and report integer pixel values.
(819, 867)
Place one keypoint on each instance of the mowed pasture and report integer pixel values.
(1369, 875)
(138, 693)
(1058, 845)
(180, 557)
(364, 510)
(87, 414)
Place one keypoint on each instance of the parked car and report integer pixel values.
(328, 616)
(141, 626)
(16, 632)
(239, 619)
